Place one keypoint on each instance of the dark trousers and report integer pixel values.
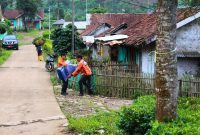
(86, 80)
(64, 87)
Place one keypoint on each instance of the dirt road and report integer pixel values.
(27, 102)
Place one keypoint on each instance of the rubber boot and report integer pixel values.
(41, 58)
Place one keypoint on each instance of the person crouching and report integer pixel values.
(85, 72)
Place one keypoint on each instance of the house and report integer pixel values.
(59, 23)
(80, 25)
(139, 47)
(15, 16)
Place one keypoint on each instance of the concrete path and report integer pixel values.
(27, 102)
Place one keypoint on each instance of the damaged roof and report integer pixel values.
(140, 27)
(14, 14)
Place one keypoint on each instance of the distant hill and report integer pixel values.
(112, 6)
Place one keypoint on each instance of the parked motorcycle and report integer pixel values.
(50, 62)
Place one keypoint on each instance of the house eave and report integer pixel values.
(187, 20)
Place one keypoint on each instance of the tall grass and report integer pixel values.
(4, 55)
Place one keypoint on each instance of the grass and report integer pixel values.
(31, 33)
(104, 121)
(187, 122)
(4, 55)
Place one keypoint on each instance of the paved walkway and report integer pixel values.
(27, 102)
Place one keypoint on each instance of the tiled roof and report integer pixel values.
(113, 19)
(41, 14)
(139, 26)
(14, 14)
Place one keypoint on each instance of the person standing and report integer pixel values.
(62, 63)
(85, 72)
(39, 51)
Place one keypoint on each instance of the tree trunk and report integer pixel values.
(25, 25)
(166, 62)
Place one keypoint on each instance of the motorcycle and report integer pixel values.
(50, 62)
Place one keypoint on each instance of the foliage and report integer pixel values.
(111, 6)
(92, 124)
(139, 119)
(31, 33)
(136, 119)
(39, 41)
(5, 27)
(5, 3)
(98, 10)
(191, 3)
(2, 28)
(54, 80)
(4, 55)
(46, 34)
(29, 8)
(62, 40)
(187, 123)
(47, 47)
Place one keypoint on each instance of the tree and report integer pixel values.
(29, 8)
(98, 10)
(5, 3)
(166, 62)
(62, 40)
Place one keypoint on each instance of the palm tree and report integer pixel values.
(166, 61)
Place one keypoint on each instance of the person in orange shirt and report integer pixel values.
(85, 72)
(61, 63)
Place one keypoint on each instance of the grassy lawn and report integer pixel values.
(31, 33)
(4, 55)
(139, 119)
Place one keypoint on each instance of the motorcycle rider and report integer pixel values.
(61, 63)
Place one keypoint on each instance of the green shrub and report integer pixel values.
(139, 118)
(46, 34)
(62, 40)
(136, 119)
(47, 47)
(54, 80)
(92, 124)
(5, 27)
(187, 123)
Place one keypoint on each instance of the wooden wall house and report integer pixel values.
(139, 47)
(15, 16)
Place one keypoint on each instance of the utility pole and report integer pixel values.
(49, 23)
(73, 15)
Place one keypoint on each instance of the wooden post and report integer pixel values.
(180, 88)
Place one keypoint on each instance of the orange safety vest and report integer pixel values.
(82, 68)
(61, 62)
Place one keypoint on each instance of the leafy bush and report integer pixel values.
(5, 27)
(187, 123)
(46, 34)
(54, 80)
(4, 55)
(92, 124)
(47, 47)
(136, 119)
(139, 119)
(2, 28)
(62, 40)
